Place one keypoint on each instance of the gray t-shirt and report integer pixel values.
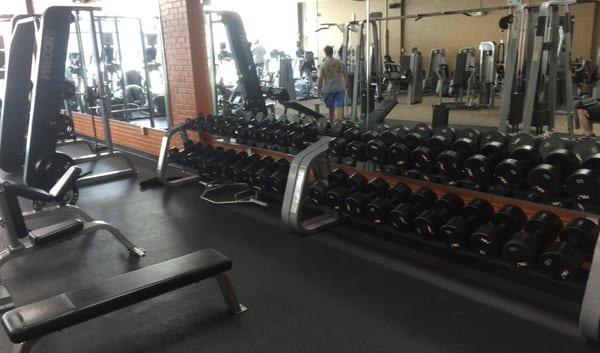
(333, 70)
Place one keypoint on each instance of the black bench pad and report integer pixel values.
(64, 310)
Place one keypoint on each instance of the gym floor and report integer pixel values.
(338, 291)
(423, 113)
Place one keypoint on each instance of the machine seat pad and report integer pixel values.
(46, 234)
(68, 309)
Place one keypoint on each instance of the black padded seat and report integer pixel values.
(68, 309)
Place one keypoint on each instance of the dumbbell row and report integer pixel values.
(456, 156)
(263, 172)
(540, 242)
(265, 132)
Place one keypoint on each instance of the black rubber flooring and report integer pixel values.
(331, 292)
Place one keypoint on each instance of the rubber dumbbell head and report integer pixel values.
(402, 215)
(523, 249)
(337, 195)
(429, 222)
(379, 208)
(356, 204)
(489, 239)
(457, 231)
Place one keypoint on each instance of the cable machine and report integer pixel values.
(538, 42)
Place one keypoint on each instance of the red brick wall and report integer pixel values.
(186, 57)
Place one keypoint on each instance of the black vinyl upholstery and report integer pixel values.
(65, 183)
(64, 310)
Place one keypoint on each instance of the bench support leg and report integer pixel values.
(231, 299)
(25, 347)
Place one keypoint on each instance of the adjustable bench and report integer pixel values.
(28, 324)
(20, 240)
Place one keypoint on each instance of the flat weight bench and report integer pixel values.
(26, 325)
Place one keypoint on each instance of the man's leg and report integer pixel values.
(329, 100)
(586, 124)
(339, 105)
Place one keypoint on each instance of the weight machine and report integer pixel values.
(437, 61)
(539, 42)
(42, 163)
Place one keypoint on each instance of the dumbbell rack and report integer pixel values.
(163, 158)
(313, 163)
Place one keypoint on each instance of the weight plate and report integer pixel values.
(491, 136)
(550, 144)
(585, 149)
(446, 131)
(51, 168)
(521, 139)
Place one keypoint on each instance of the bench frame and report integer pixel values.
(18, 244)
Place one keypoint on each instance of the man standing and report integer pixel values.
(333, 83)
(258, 53)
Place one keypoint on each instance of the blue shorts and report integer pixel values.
(334, 99)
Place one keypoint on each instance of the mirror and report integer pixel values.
(130, 68)
(287, 49)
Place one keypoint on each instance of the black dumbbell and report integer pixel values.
(522, 139)
(457, 231)
(417, 136)
(548, 178)
(233, 171)
(357, 149)
(217, 169)
(246, 175)
(523, 249)
(512, 172)
(213, 156)
(259, 177)
(356, 204)
(338, 194)
(317, 190)
(402, 215)
(278, 179)
(339, 126)
(378, 146)
(467, 141)
(338, 145)
(479, 168)
(429, 222)
(583, 185)
(450, 162)
(494, 136)
(378, 209)
(564, 259)
(423, 158)
(489, 238)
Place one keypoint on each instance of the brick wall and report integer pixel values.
(186, 57)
